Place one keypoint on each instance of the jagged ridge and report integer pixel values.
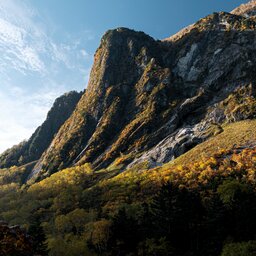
(155, 100)
(247, 10)
(151, 101)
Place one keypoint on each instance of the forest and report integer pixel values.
(202, 208)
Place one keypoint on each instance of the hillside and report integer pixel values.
(240, 134)
(150, 101)
(107, 212)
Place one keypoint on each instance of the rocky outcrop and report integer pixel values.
(31, 150)
(219, 60)
(246, 10)
(154, 100)
(127, 68)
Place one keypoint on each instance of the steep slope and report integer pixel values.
(236, 135)
(31, 150)
(154, 100)
(246, 10)
(113, 107)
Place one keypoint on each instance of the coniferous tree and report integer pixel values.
(125, 233)
(177, 214)
(37, 233)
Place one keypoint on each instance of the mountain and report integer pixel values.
(31, 150)
(158, 156)
(152, 101)
(246, 10)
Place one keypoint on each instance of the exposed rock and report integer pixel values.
(185, 67)
(247, 10)
(157, 99)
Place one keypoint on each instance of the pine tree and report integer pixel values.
(125, 235)
(177, 214)
(37, 233)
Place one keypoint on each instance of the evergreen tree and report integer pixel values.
(177, 214)
(37, 233)
(125, 234)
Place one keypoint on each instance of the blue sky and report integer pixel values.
(47, 48)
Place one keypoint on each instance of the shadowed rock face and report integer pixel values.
(154, 99)
(31, 150)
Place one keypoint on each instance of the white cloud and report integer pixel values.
(25, 45)
(17, 40)
(35, 68)
(84, 53)
(23, 112)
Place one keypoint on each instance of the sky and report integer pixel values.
(47, 48)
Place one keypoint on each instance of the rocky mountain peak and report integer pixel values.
(114, 35)
(246, 10)
(151, 101)
(219, 21)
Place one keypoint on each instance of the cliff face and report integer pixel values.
(154, 100)
(31, 150)
(151, 101)
(123, 96)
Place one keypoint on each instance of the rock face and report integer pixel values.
(154, 100)
(32, 149)
(127, 82)
(246, 10)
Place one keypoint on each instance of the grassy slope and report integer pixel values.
(236, 134)
(113, 188)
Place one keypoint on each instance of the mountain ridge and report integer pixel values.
(247, 9)
(151, 101)
(31, 150)
(170, 82)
